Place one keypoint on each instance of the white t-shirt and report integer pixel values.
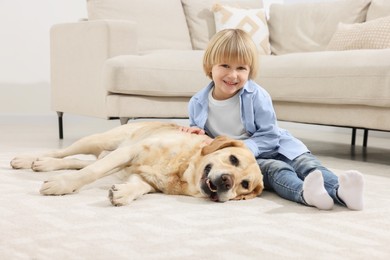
(224, 117)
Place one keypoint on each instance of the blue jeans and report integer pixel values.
(285, 176)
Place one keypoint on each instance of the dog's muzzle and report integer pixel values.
(214, 187)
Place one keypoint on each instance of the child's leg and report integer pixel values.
(308, 163)
(281, 177)
(349, 192)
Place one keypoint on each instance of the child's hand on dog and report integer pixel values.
(196, 130)
(192, 130)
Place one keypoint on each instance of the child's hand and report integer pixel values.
(192, 130)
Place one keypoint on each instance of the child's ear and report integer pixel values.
(221, 142)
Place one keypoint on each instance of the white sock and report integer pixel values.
(351, 189)
(314, 192)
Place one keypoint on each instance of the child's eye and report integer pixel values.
(242, 68)
(224, 65)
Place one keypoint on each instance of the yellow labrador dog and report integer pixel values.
(155, 157)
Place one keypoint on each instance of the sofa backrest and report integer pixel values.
(378, 9)
(160, 23)
(304, 27)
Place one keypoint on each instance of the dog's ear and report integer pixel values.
(256, 192)
(221, 142)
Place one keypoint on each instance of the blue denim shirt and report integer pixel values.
(259, 119)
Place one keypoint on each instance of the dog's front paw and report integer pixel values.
(22, 162)
(119, 195)
(57, 185)
(46, 164)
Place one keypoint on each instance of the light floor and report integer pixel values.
(331, 145)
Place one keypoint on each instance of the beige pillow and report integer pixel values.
(304, 27)
(378, 8)
(200, 18)
(374, 34)
(253, 21)
(160, 24)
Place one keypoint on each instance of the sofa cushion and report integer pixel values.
(161, 24)
(253, 21)
(304, 27)
(158, 73)
(374, 34)
(377, 9)
(200, 18)
(357, 77)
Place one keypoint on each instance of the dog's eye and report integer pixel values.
(207, 169)
(234, 160)
(245, 184)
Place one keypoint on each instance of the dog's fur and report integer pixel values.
(156, 157)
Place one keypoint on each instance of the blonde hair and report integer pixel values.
(231, 45)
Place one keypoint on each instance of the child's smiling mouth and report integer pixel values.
(230, 83)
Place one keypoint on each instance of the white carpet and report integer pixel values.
(157, 226)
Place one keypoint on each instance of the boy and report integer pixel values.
(235, 106)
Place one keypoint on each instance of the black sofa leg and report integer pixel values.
(60, 126)
(124, 120)
(365, 137)
(353, 139)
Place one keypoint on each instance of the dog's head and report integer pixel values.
(230, 171)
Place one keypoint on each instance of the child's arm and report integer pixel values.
(262, 123)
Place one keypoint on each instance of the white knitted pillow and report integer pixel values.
(200, 18)
(374, 34)
(253, 21)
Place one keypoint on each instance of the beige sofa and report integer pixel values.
(143, 59)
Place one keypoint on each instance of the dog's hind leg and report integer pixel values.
(47, 164)
(135, 187)
(94, 145)
(73, 181)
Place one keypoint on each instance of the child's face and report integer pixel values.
(229, 78)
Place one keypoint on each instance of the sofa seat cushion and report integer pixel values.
(158, 73)
(354, 77)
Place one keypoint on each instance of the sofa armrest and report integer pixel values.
(78, 52)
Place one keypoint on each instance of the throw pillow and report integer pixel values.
(303, 27)
(378, 9)
(200, 18)
(374, 34)
(253, 21)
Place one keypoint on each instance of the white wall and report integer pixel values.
(24, 51)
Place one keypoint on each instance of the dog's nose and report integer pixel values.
(225, 182)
